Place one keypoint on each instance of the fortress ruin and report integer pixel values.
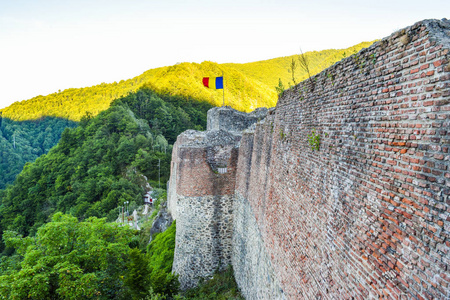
(340, 192)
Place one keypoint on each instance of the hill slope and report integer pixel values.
(270, 71)
(22, 142)
(96, 166)
(247, 86)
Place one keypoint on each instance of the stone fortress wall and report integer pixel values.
(365, 215)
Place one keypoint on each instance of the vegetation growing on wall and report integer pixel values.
(314, 140)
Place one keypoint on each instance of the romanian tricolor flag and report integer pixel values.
(213, 82)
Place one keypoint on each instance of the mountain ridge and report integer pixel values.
(247, 86)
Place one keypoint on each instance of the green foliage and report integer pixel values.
(93, 169)
(242, 92)
(166, 115)
(181, 80)
(138, 275)
(91, 259)
(293, 68)
(358, 62)
(304, 63)
(68, 259)
(98, 165)
(374, 58)
(221, 287)
(160, 253)
(282, 134)
(22, 142)
(145, 236)
(314, 140)
(280, 88)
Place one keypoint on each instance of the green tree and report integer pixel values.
(160, 254)
(138, 276)
(68, 259)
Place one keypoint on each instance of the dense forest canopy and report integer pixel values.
(247, 86)
(53, 243)
(24, 141)
(101, 163)
(90, 259)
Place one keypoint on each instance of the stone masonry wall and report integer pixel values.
(252, 267)
(341, 192)
(200, 199)
(367, 214)
(229, 119)
(203, 238)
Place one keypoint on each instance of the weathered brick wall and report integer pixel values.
(193, 170)
(252, 266)
(368, 214)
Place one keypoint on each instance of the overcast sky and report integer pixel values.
(57, 44)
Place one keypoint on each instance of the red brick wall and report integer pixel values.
(368, 214)
(196, 178)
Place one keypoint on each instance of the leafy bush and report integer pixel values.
(68, 259)
(160, 254)
(138, 279)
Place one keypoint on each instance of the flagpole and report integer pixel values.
(223, 90)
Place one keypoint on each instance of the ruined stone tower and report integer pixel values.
(201, 191)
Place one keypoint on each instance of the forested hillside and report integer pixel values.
(175, 106)
(98, 165)
(54, 246)
(24, 141)
(247, 86)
